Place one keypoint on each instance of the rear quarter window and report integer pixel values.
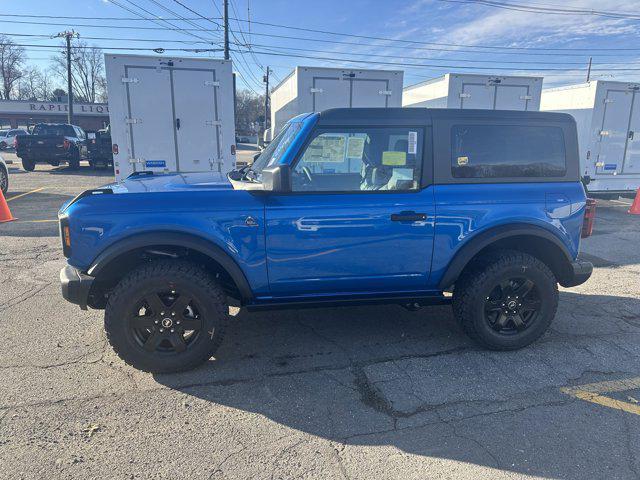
(507, 151)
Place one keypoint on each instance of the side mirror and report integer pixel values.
(277, 179)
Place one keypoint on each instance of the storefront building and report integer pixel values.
(24, 114)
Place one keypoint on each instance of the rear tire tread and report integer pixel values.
(468, 288)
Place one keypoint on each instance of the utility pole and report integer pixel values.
(265, 79)
(68, 35)
(226, 29)
(589, 69)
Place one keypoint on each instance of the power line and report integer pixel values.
(416, 45)
(268, 47)
(399, 64)
(419, 42)
(548, 10)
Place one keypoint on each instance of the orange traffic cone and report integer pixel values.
(635, 206)
(5, 213)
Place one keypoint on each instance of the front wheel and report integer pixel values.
(166, 316)
(506, 301)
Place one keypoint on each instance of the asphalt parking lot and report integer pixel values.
(357, 393)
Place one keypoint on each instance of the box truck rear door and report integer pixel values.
(149, 123)
(369, 93)
(197, 121)
(613, 134)
(477, 95)
(632, 159)
(330, 93)
(512, 97)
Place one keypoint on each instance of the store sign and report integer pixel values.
(12, 106)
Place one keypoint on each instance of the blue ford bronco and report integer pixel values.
(480, 209)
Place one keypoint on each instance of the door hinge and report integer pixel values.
(604, 133)
(211, 83)
(132, 120)
(316, 90)
(384, 92)
(525, 97)
(212, 123)
(130, 80)
(465, 95)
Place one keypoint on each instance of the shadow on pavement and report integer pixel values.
(383, 376)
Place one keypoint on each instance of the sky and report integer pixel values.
(425, 38)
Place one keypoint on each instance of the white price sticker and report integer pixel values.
(412, 148)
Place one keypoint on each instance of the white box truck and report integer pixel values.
(608, 118)
(486, 92)
(313, 89)
(170, 114)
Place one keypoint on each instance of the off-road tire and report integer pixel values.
(473, 287)
(4, 180)
(177, 274)
(28, 164)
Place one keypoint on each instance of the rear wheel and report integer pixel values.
(166, 316)
(3, 145)
(74, 161)
(28, 164)
(506, 301)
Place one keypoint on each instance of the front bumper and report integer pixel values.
(75, 286)
(581, 271)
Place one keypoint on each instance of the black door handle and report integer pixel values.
(177, 124)
(408, 217)
(631, 133)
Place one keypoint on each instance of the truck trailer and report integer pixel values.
(486, 92)
(314, 89)
(608, 117)
(170, 114)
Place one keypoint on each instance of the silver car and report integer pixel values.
(8, 137)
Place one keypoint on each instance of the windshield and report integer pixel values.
(276, 148)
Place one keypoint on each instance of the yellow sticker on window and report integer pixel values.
(463, 161)
(394, 158)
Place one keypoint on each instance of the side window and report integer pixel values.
(360, 159)
(507, 151)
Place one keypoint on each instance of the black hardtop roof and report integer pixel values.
(344, 116)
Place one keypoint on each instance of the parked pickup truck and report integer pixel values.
(480, 209)
(99, 148)
(52, 143)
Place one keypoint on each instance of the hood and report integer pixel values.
(171, 182)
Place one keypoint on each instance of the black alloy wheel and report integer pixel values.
(512, 306)
(165, 322)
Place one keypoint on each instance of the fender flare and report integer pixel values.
(476, 243)
(174, 239)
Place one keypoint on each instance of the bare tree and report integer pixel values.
(87, 71)
(12, 58)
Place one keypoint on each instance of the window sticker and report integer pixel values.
(394, 158)
(326, 149)
(463, 161)
(413, 143)
(355, 147)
